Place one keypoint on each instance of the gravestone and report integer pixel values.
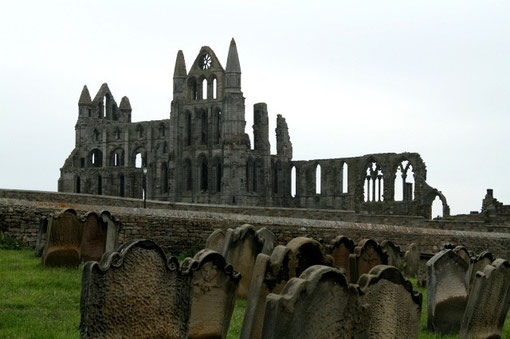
(42, 237)
(463, 253)
(93, 242)
(392, 251)
(214, 286)
(446, 292)
(367, 255)
(216, 241)
(393, 308)
(412, 261)
(113, 227)
(488, 302)
(271, 273)
(478, 264)
(318, 304)
(340, 248)
(135, 292)
(240, 249)
(63, 240)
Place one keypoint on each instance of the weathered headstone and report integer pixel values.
(63, 241)
(216, 241)
(392, 251)
(366, 255)
(93, 242)
(241, 247)
(42, 237)
(463, 253)
(271, 273)
(393, 308)
(214, 286)
(446, 292)
(340, 248)
(478, 264)
(318, 304)
(113, 229)
(488, 302)
(135, 292)
(412, 261)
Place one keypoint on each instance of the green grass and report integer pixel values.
(37, 302)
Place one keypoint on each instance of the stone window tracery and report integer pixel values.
(374, 183)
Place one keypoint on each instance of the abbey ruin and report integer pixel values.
(202, 154)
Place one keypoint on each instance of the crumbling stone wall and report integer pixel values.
(201, 154)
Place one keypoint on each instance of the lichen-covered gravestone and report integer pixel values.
(446, 292)
(113, 227)
(488, 302)
(393, 308)
(214, 287)
(340, 248)
(135, 292)
(318, 304)
(216, 241)
(271, 273)
(240, 249)
(42, 237)
(63, 241)
(478, 264)
(463, 253)
(93, 242)
(367, 255)
(412, 261)
(392, 251)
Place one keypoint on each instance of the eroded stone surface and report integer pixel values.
(446, 292)
(392, 251)
(392, 307)
(478, 264)
(216, 241)
(340, 248)
(412, 261)
(271, 273)
(488, 302)
(318, 304)
(63, 240)
(241, 247)
(93, 243)
(367, 254)
(214, 287)
(135, 292)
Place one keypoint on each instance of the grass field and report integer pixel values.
(37, 302)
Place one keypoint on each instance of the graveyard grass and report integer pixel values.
(37, 302)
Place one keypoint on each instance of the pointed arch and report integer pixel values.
(293, 181)
(204, 126)
(95, 158)
(188, 177)
(77, 187)
(203, 173)
(187, 128)
(404, 182)
(122, 185)
(345, 177)
(218, 173)
(373, 186)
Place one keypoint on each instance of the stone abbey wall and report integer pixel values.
(182, 229)
(202, 154)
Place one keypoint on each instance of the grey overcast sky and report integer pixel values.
(351, 77)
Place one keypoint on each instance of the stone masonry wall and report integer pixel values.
(475, 223)
(181, 231)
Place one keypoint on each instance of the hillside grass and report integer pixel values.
(37, 302)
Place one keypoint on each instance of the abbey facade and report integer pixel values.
(203, 155)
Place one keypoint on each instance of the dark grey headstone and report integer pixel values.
(318, 304)
(446, 292)
(135, 292)
(392, 307)
(488, 302)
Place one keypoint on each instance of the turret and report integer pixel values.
(180, 74)
(261, 128)
(85, 104)
(233, 71)
(125, 108)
